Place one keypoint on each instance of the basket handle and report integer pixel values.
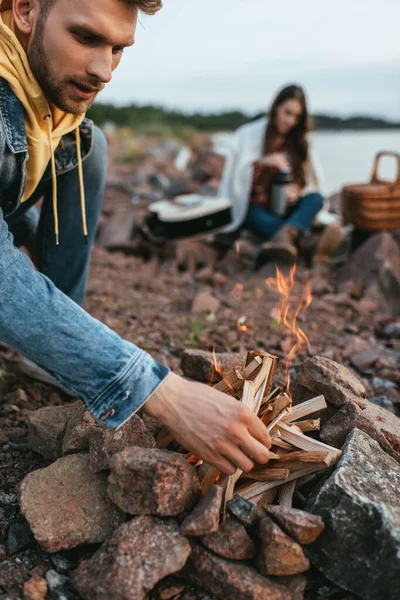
(375, 178)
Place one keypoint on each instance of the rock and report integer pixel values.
(219, 279)
(18, 397)
(80, 426)
(205, 517)
(392, 330)
(383, 402)
(359, 503)
(46, 427)
(205, 302)
(104, 443)
(59, 585)
(138, 555)
(243, 509)
(231, 541)
(192, 255)
(364, 359)
(376, 264)
(19, 537)
(300, 525)
(231, 579)
(74, 508)
(200, 365)
(378, 382)
(379, 424)
(169, 589)
(62, 563)
(117, 231)
(148, 481)
(35, 588)
(296, 584)
(339, 386)
(278, 553)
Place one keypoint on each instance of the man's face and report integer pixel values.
(75, 50)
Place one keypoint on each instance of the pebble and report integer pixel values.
(7, 499)
(378, 382)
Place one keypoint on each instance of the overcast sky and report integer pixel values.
(212, 55)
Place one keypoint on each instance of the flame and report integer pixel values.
(288, 312)
(237, 246)
(217, 369)
(237, 291)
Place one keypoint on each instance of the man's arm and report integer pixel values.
(114, 377)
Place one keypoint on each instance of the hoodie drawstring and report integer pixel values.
(81, 186)
(53, 178)
(54, 181)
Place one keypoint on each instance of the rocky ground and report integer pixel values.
(189, 296)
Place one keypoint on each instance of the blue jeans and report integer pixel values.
(300, 216)
(40, 312)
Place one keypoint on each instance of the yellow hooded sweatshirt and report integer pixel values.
(44, 125)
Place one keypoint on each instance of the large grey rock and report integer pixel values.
(359, 503)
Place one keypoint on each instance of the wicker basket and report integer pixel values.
(374, 206)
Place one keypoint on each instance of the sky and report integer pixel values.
(215, 55)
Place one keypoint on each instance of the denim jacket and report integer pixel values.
(112, 376)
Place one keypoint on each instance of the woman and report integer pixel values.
(260, 150)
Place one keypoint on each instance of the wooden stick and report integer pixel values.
(273, 423)
(303, 442)
(300, 460)
(255, 489)
(164, 438)
(207, 475)
(280, 403)
(267, 474)
(234, 381)
(306, 408)
(277, 441)
(309, 425)
(253, 392)
(265, 498)
(286, 493)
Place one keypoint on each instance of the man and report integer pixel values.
(55, 56)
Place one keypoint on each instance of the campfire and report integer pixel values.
(174, 528)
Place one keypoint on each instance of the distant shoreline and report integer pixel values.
(152, 118)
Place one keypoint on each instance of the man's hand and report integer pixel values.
(212, 425)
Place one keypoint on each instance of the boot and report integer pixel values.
(280, 248)
(329, 243)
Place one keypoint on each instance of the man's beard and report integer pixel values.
(55, 90)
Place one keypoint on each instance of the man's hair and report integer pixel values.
(149, 7)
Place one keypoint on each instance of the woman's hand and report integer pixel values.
(277, 160)
(292, 193)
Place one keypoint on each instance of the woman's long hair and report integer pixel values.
(296, 139)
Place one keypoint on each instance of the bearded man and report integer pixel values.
(55, 56)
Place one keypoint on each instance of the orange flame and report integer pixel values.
(237, 291)
(237, 246)
(217, 369)
(289, 311)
